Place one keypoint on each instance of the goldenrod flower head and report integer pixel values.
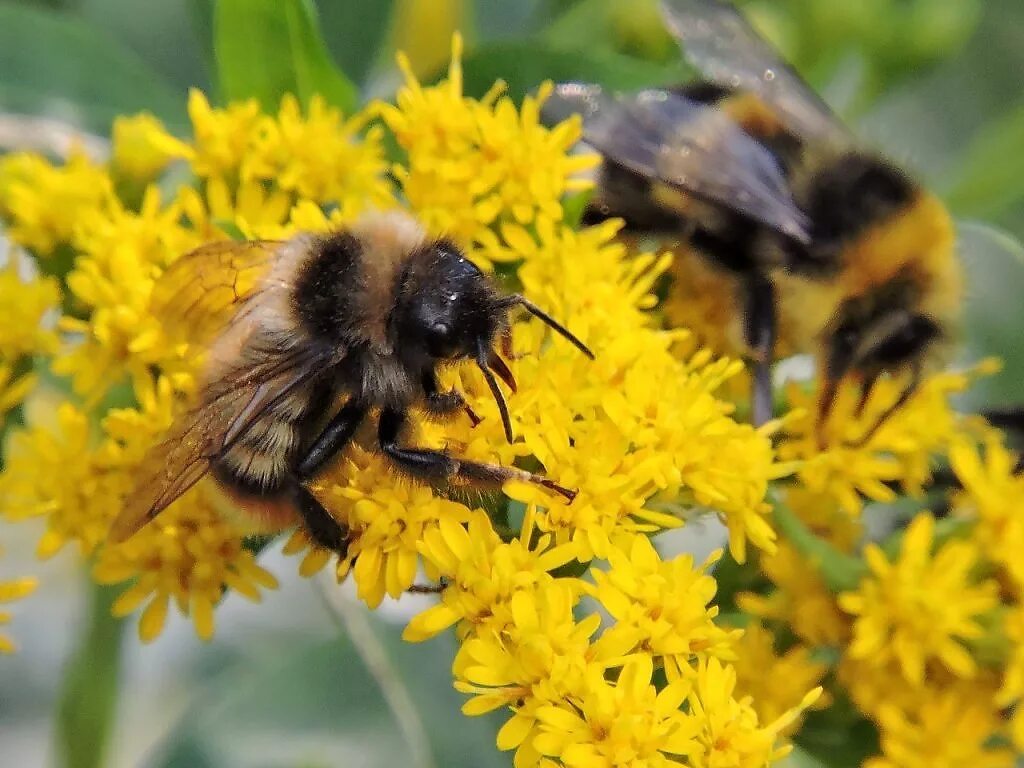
(729, 732)
(474, 165)
(10, 591)
(24, 305)
(776, 683)
(949, 728)
(919, 607)
(620, 724)
(387, 518)
(991, 498)
(483, 574)
(325, 158)
(189, 555)
(224, 141)
(142, 148)
(44, 203)
(666, 605)
(541, 658)
(122, 254)
(800, 599)
(899, 452)
(57, 471)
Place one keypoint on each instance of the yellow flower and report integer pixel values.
(24, 305)
(483, 574)
(387, 517)
(629, 722)
(666, 605)
(991, 498)
(899, 452)
(541, 659)
(9, 592)
(323, 158)
(950, 728)
(189, 554)
(13, 389)
(919, 607)
(57, 471)
(473, 165)
(776, 683)
(729, 733)
(43, 203)
(256, 211)
(800, 599)
(122, 254)
(225, 141)
(142, 147)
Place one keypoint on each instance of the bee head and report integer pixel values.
(445, 305)
(890, 339)
(448, 310)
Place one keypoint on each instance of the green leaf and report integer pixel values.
(55, 65)
(267, 48)
(992, 176)
(841, 572)
(355, 33)
(524, 65)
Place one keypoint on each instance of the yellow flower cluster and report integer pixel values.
(642, 434)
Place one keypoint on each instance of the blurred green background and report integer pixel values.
(310, 679)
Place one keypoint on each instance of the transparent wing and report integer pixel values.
(680, 142)
(204, 433)
(719, 41)
(200, 293)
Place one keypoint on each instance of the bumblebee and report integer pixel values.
(349, 322)
(750, 172)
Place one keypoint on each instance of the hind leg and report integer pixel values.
(318, 522)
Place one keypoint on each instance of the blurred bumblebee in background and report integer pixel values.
(307, 337)
(815, 244)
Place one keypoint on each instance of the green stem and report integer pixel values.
(841, 572)
(88, 701)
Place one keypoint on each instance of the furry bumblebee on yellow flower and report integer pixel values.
(386, 331)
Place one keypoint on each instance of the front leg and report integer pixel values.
(436, 466)
(759, 328)
(444, 403)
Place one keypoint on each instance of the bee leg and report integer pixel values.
(759, 328)
(437, 466)
(318, 522)
(333, 438)
(445, 403)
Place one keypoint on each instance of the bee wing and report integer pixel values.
(719, 41)
(680, 142)
(202, 435)
(198, 295)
